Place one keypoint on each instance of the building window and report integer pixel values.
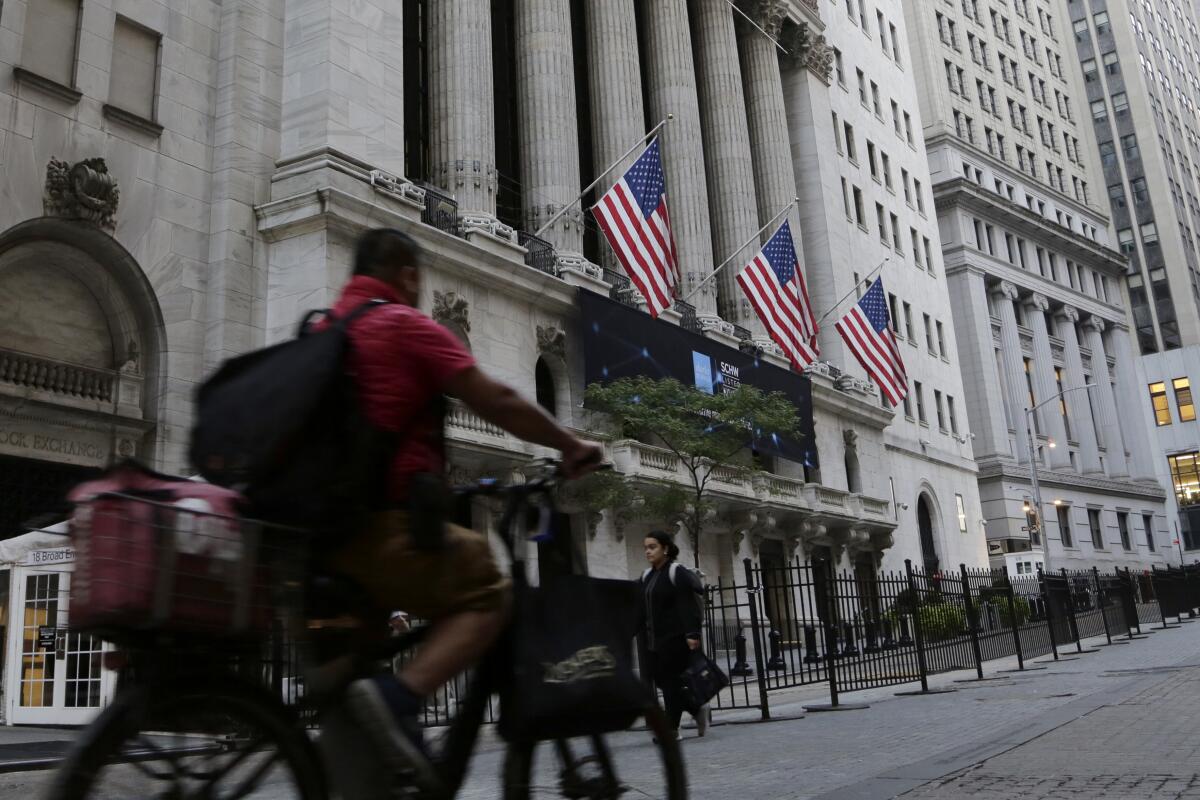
(1120, 102)
(962, 513)
(939, 407)
(51, 37)
(908, 323)
(1064, 526)
(919, 390)
(1183, 399)
(133, 80)
(941, 339)
(928, 333)
(1094, 526)
(1123, 527)
(1129, 146)
(950, 413)
(1185, 474)
(1158, 401)
(1149, 234)
(1148, 529)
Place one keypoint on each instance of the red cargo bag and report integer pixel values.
(156, 552)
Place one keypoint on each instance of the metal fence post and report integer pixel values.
(972, 621)
(752, 595)
(1102, 597)
(1074, 620)
(917, 632)
(1132, 603)
(1157, 586)
(1045, 587)
(1012, 619)
(827, 609)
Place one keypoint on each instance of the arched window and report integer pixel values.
(928, 542)
(547, 394)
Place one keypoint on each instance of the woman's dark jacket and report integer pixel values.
(670, 612)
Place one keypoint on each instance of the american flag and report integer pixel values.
(776, 289)
(633, 216)
(867, 330)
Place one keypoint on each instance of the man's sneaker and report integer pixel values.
(388, 713)
(703, 717)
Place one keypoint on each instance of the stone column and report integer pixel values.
(1108, 422)
(671, 82)
(548, 120)
(977, 358)
(1078, 406)
(614, 75)
(1129, 393)
(766, 116)
(729, 169)
(1005, 295)
(462, 124)
(1044, 384)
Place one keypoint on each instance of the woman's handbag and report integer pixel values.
(702, 681)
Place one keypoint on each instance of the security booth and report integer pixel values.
(49, 675)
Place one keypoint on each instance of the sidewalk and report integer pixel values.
(900, 743)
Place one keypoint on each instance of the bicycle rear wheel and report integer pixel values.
(217, 741)
(586, 769)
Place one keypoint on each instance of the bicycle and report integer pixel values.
(190, 721)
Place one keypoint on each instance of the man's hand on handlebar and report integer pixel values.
(579, 458)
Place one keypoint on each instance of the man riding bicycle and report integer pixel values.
(402, 363)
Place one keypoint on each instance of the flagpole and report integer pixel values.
(852, 291)
(734, 254)
(600, 177)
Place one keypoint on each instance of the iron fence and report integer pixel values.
(441, 210)
(789, 624)
(539, 253)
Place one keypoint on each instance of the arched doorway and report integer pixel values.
(81, 348)
(928, 541)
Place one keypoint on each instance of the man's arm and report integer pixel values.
(500, 404)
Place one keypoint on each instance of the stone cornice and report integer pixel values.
(931, 456)
(14, 408)
(488, 266)
(829, 398)
(1073, 480)
(960, 192)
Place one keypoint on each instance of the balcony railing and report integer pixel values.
(742, 333)
(688, 321)
(622, 288)
(463, 418)
(539, 253)
(56, 377)
(441, 210)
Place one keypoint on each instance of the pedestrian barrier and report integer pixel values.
(801, 623)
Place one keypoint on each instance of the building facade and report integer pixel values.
(1141, 70)
(182, 181)
(1039, 303)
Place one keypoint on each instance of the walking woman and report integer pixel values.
(670, 623)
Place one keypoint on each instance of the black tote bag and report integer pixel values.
(572, 660)
(702, 681)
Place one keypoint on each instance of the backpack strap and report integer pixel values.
(327, 313)
(671, 571)
(646, 574)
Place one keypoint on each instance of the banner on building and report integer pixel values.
(622, 342)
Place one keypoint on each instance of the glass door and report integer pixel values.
(55, 677)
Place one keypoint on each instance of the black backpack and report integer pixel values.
(283, 425)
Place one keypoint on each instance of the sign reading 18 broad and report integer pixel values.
(49, 557)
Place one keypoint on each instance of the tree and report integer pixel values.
(704, 431)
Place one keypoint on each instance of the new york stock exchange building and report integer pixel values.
(181, 181)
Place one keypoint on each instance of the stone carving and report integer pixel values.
(552, 341)
(81, 191)
(850, 439)
(1008, 290)
(1095, 323)
(1038, 302)
(132, 357)
(450, 309)
(767, 14)
(1069, 313)
(806, 50)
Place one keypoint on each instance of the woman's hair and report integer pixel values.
(664, 539)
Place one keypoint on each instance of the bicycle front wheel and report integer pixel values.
(223, 741)
(586, 768)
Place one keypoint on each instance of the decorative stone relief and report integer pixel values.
(767, 14)
(451, 309)
(83, 190)
(850, 439)
(552, 341)
(805, 50)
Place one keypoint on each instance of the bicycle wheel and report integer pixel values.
(585, 769)
(216, 741)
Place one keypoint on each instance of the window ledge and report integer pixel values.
(47, 85)
(133, 120)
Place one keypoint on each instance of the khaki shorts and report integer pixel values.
(431, 584)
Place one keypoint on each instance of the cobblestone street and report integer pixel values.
(1117, 724)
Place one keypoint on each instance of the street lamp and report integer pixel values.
(1033, 465)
